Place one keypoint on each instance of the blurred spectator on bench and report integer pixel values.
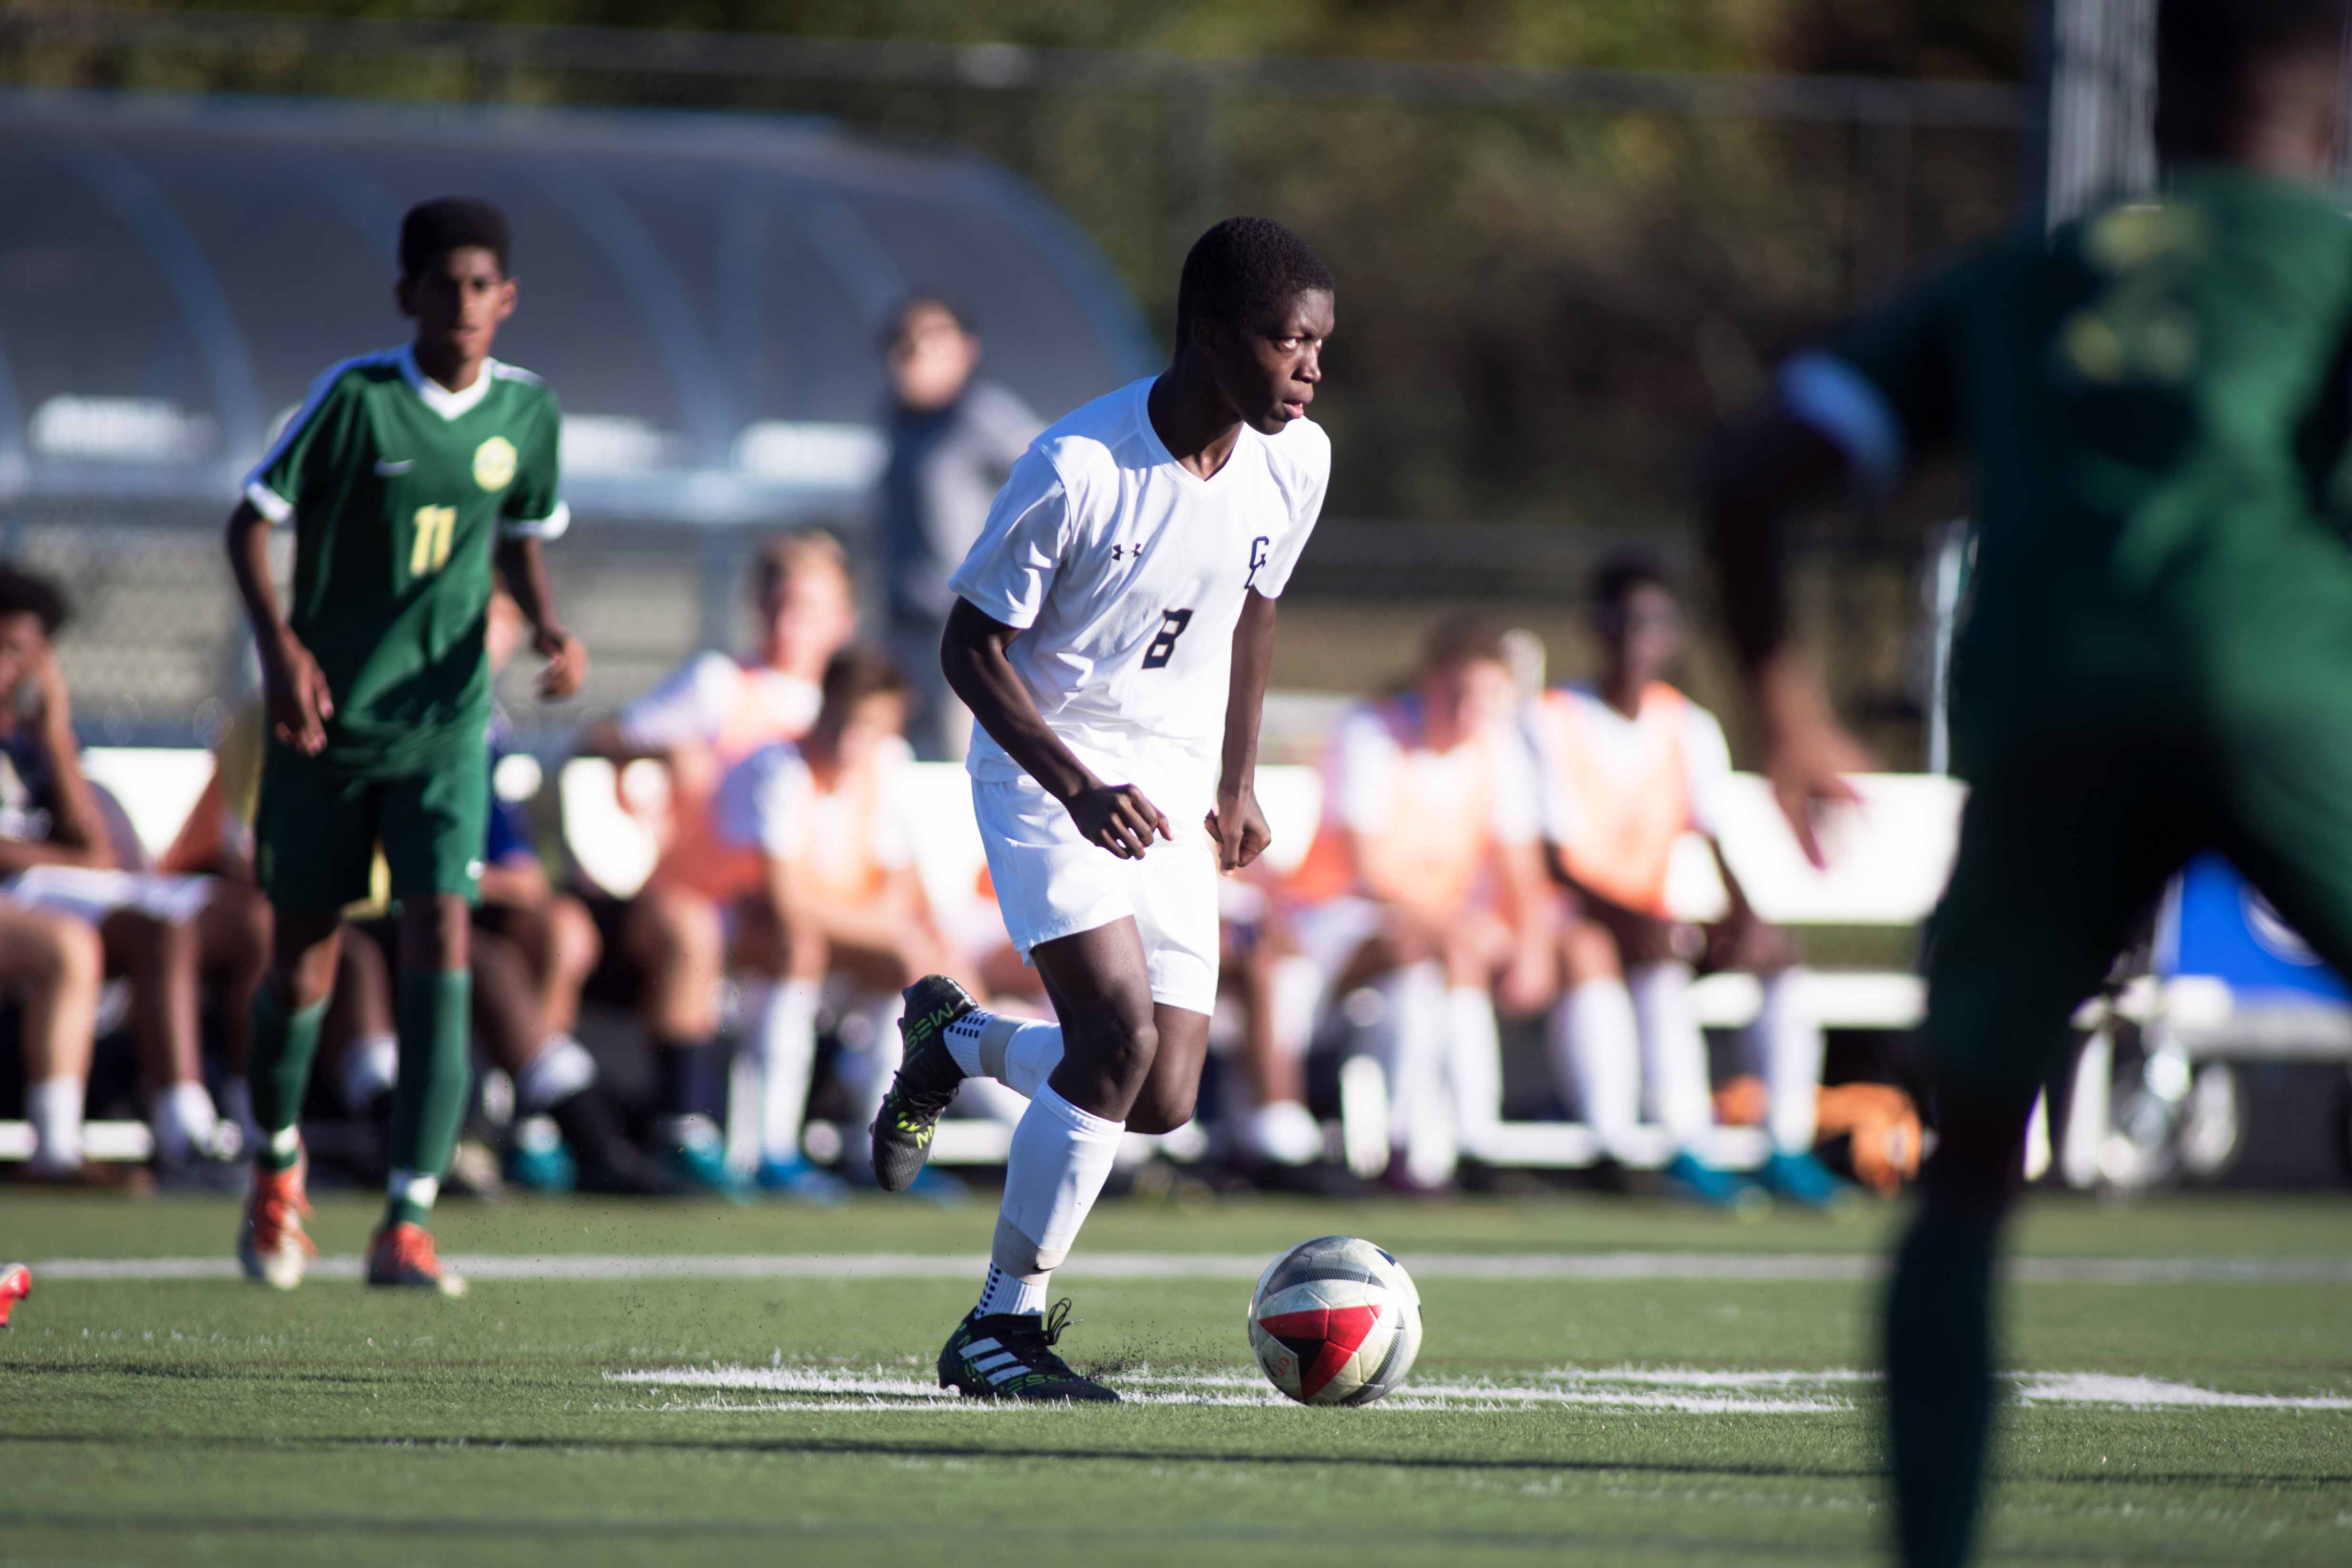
(953, 441)
(533, 949)
(54, 965)
(1426, 882)
(61, 853)
(676, 937)
(1276, 993)
(1628, 765)
(840, 914)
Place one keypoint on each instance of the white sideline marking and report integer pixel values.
(2150, 1393)
(1149, 1388)
(1766, 1267)
(1692, 1390)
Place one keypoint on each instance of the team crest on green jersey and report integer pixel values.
(494, 463)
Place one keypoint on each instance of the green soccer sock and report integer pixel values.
(1939, 1384)
(429, 1103)
(279, 1070)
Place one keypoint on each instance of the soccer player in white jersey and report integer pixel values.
(1111, 637)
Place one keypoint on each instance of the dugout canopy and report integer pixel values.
(704, 291)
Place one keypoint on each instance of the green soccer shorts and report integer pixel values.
(317, 830)
(2066, 846)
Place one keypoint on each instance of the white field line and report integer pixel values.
(1744, 1267)
(1692, 1390)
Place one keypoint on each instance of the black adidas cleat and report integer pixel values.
(1009, 1355)
(926, 1083)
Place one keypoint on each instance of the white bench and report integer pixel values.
(1889, 861)
(1889, 858)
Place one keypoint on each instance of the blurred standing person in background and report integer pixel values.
(953, 441)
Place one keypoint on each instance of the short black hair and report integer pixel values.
(2203, 50)
(1242, 266)
(30, 593)
(1615, 579)
(433, 229)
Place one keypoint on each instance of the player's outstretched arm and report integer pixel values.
(1755, 472)
(1236, 823)
(294, 689)
(1115, 816)
(524, 567)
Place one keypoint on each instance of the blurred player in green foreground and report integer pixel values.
(2155, 402)
(408, 476)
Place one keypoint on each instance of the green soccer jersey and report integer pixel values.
(399, 490)
(2153, 400)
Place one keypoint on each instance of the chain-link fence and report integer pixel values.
(1553, 282)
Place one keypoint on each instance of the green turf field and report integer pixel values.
(1591, 1404)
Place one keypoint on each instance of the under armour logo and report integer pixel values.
(1121, 552)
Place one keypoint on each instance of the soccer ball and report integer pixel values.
(1334, 1320)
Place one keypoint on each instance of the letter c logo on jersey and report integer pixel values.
(494, 463)
(1257, 560)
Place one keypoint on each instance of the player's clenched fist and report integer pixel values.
(1118, 817)
(1240, 830)
(296, 691)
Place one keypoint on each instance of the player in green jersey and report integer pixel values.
(2157, 401)
(409, 476)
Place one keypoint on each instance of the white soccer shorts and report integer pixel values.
(1050, 883)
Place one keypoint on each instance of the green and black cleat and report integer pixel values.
(926, 1084)
(1009, 1355)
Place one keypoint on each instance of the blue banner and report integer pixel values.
(2216, 924)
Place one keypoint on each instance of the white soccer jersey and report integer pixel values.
(1127, 574)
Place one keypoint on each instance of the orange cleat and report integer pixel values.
(402, 1255)
(16, 1285)
(270, 1240)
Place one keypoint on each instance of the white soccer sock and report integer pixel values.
(409, 1186)
(1789, 1039)
(1020, 1054)
(1298, 986)
(1673, 1051)
(371, 1067)
(866, 1070)
(54, 1108)
(784, 1034)
(1410, 1044)
(1474, 1065)
(1596, 1051)
(237, 1104)
(561, 1068)
(1061, 1156)
(1283, 1133)
(185, 1120)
